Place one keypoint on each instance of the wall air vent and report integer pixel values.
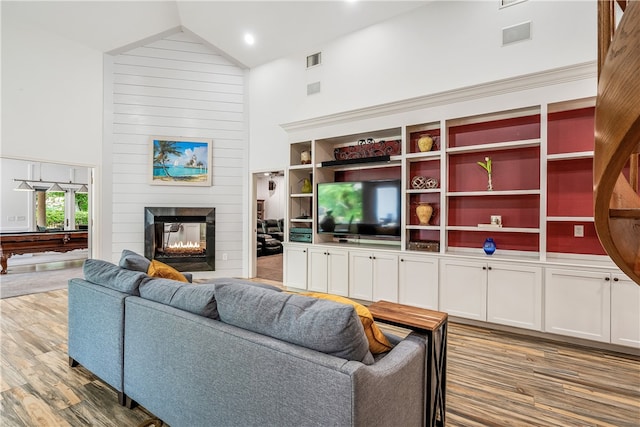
(516, 33)
(313, 88)
(313, 60)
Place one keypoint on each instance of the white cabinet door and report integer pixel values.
(577, 303)
(360, 275)
(625, 311)
(463, 288)
(418, 281)
(514, 295)
(338, 272)
(317, 270)
(295, 266)
(385, 277)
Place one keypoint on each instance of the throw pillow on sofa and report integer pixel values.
(378, 343)
(164, 271)
(317, 324)
(111, 276)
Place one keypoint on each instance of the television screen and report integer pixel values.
(367, 208)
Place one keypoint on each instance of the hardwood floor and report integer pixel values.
(493, 378)
(269, 267)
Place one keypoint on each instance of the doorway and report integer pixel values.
(43, 197)
(269, 208)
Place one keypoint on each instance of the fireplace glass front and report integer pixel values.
(181, 237)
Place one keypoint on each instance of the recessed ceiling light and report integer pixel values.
(249, 39)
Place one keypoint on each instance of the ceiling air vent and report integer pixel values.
(516, 33)
(313, 60)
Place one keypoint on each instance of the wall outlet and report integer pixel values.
(578, 231)
(225, 257)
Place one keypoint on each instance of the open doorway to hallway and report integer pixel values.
(270, 205)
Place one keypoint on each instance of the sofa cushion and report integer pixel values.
(320, 325)
(111, 276)
(378, 343)
(134, 261)
(197, 299)
(164, 271)
(234, 280)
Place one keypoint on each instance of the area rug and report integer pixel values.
(16, 283)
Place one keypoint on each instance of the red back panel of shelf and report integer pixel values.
(516, 211)
(513, 129)
(421, 235)
(368, 174)
(517, 169)
(429, 169)
(570, 188)
(560, 239)
(571, 131)
(507, 241)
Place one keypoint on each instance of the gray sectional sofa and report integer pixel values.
(230, 353)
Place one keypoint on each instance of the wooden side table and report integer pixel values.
(434, 325)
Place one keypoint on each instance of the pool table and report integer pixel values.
(40, 241)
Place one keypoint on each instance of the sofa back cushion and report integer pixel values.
(134, 261)
(320, 325)
(111, 276)
(378, 342)
(197, 299)
(234, 280)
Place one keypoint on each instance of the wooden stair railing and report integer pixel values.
(617, 135)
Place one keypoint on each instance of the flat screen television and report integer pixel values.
(360, 208)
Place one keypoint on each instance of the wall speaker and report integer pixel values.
(516, 33)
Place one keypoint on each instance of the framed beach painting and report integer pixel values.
(178, 161)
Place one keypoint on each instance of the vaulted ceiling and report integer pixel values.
(281, 28)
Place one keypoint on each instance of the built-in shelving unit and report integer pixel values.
(542, 189)
(570, 142)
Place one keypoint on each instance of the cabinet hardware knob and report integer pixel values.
(401, 259)
(484, 267)
(615, 279)
(607, 279)
(489, 267)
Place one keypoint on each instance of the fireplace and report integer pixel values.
(183, 238)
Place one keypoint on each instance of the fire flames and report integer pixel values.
(184, 248)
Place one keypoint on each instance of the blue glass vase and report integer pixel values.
(489, 246)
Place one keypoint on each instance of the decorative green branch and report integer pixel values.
(486, 165)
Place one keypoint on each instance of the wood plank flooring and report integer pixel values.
(493, 378)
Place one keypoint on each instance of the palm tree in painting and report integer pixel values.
(161, 152)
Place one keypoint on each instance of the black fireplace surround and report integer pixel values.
(160, 222)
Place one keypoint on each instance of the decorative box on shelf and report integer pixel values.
(425, 245)
(368, 149)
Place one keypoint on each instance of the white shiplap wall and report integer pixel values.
(178, 87)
